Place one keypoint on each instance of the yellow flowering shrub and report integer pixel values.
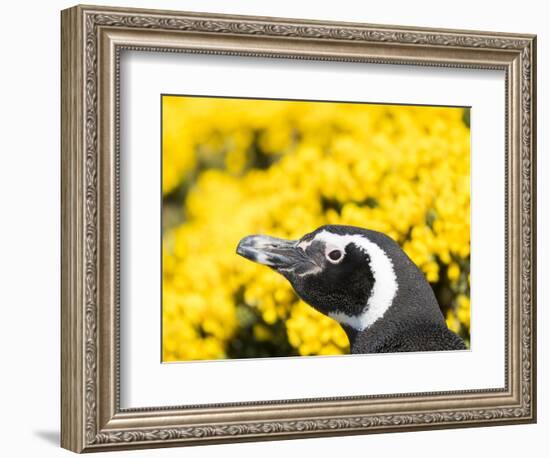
(234, 167)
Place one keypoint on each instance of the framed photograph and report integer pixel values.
(279, 228)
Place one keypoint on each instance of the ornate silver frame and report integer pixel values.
(92, 39)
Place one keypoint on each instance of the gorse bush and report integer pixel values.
(234, 167)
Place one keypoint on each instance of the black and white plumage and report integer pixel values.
(363, 280)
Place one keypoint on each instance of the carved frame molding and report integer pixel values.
(92, 40)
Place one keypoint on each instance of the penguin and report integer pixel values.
(364, 280)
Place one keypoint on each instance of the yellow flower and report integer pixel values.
(463, 311)
(452, 322)
(262, 333)
(453, 271)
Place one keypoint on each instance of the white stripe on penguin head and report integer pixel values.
(385, 281)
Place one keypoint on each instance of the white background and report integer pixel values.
(145, 76)
(29, 246)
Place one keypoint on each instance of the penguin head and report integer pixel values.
(344, 272)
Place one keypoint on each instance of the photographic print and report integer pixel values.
(306, 228)
(290, 201)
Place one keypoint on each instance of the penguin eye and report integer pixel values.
(334, 255)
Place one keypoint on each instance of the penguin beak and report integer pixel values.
(270, 251)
